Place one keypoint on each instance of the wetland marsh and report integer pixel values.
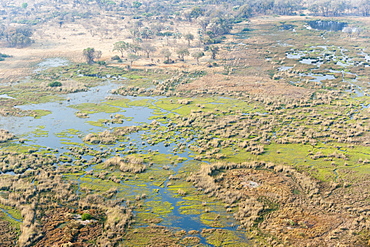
(267, 145)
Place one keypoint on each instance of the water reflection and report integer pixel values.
(327, 25)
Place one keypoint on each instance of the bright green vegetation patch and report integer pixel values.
(320, 160)
(19, 148)
(291, 154)
(70, 133)
(90, 108)
(205, 207)
(143, 103)
(98, 123)
(159, 158)
(237, 156)
(145, 218)
(133, 192)
(161, 208)
(92, 183)
(40, 113)
(156, 176)
(212, 219)
(70, 143)
(118, 102)
(184, 106)
(195, 203)
(220, 237)
(148, 236)
(117, 119)
(46, 98)
(14, 223)
(40, 132)
(12, 215)
(25, 96)
(152, 177)
(357, 153)
(15, 213)
(144, 78)
(190, 241)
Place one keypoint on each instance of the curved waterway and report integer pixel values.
(45, 132)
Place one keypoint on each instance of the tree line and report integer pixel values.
(214, 17)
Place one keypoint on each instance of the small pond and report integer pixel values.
(327, 25)
(51, 63)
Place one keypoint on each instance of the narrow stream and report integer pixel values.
(9, 215)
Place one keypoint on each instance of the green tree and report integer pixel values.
(146, 33)
(189, 37)
(132, 58)
(167, 54)
(85, 216)
(363, 7)
(90, 54)
(133, 48)
(121, 46)
(156, 28)
(55, 84)
(148, 48)
(196, 12)
(244, 11)
(177, 35)
(197, 55)
(18, 37)
(182, 52)
(136, 4)
(203, 22)
(214, 50)
(219, 26)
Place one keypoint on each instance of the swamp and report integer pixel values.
(256, 134)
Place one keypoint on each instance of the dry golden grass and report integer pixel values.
(250, 84)
(68, 42)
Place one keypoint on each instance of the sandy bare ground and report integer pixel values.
(68, 42)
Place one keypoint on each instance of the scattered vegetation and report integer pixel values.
(258, 124)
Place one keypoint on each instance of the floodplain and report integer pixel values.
(266, 145)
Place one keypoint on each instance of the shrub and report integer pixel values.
(4, 55)
(55, 84)
(168, 61)
(116, 57)
(85, 216)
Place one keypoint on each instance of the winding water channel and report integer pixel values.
(45, 133)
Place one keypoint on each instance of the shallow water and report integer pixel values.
(51, 63)
(327, 25)
(294, 55)
(63, 118)
(5, 96)
(9, 215)
(285, 68)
